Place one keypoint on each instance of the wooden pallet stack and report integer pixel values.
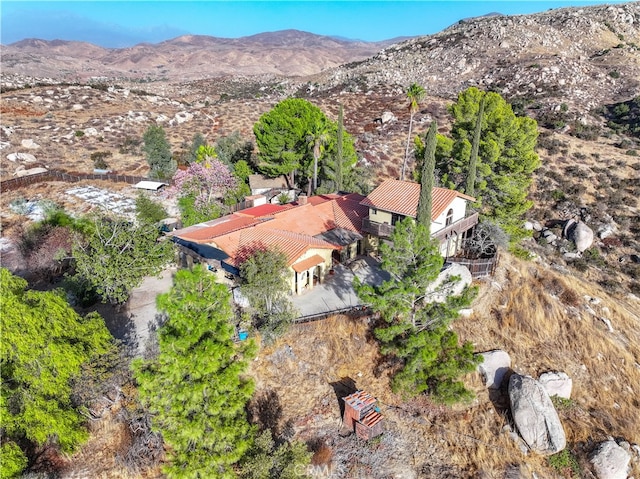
(362, 415)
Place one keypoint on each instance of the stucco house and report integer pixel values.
(312, 233)
(394, 200)
(317, 232)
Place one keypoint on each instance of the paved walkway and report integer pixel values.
(337, 291)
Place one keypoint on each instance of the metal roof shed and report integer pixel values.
(149, 185)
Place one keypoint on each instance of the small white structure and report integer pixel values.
(149, 185)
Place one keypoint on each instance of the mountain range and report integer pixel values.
(286, 52)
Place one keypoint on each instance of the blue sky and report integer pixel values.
(119, 24)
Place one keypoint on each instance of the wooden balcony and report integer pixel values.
(384, 230)
(458, 227)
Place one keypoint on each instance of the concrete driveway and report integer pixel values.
(337, 291)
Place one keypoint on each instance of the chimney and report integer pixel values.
(302, 200)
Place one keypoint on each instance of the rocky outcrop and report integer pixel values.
(556, 384)
(535, 416)
(610, 461)
(494, 366)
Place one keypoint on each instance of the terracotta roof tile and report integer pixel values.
(286, 227)
(204, 233)
(263, 210)
(305, 264)
(402, 197)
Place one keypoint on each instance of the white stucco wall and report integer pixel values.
(459, 206)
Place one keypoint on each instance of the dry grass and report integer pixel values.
(530, 311)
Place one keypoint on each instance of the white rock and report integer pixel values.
(610, 461)
(26, 157)
(91, 131)
(493, 368)
(556, 384)
(387, 117)
(466, 313)
(4, 144)
(77, 107)
(441, 288)
(535, 416)
(29, 143)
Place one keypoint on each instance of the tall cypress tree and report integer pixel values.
(428, 167)
(473, 158)
(339, 149)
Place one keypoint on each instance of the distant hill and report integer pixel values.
(286, 52)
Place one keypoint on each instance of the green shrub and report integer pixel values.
(148, 210)
(566, 463)
(614, 74)
(79, 133)
(99, 158)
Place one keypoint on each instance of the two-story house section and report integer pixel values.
(394, 200)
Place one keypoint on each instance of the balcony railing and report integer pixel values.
(458, 227)
(384, 230)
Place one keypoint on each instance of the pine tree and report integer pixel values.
(505, 162)
(196, 388)
(427, 177)
(415, 328)
(158, 153)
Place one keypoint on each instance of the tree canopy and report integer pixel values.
(44, 346)
(426, 178)
(505, 161)
(265, 282)
(414, 327)
(158, 153)
(196, 389)
(415, 95)
(282, 136)
(116, 255)
(202, 187)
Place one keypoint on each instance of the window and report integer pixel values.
(449, 217)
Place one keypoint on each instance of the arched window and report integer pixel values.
(449, 217)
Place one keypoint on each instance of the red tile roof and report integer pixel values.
(288, 228)
(263, 210)
(402, 197)
(240, 245)
(207, 231)
(308, 263)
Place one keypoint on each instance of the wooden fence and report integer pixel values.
(480, 268)
(58, 175)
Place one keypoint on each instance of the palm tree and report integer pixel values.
(317, 138)
(415, 94)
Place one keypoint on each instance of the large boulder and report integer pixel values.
(610, 461)
(580, 234)
(556, 384)
(443, 287)
(535, 416)
(494, 366)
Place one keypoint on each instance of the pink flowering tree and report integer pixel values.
(200, 190)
